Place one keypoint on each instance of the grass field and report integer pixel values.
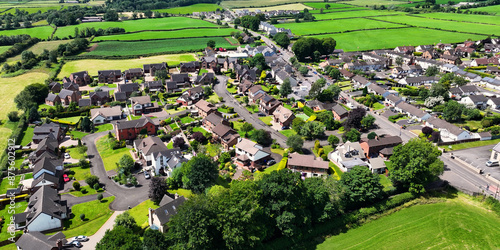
(320, 5)
(201, 7)
(94, 65)
(156, 46)
(335, 26)
(168, 23)
(184, 33)
(376, 2)
(459, 223)
(463, 17)
(140, 212)
(267, 120)
(20, 206)
(96, 213)
(393, 37)
(495, 9)
(352, 8)
(75, 153)
(351, 14)
(39, 47)
(78, 172)
(292, 6)
(258, 3)
(27, 136)
(5, 184)
(42, 32)
(104, 127)
(288, 132)
(109, 156)
(4, 48)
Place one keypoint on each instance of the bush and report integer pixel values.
(393, 118)
(372, 135)
(97, 186)
(76, 185)
(92, 180)
(13, 116)
(99, 197)
(82, 216)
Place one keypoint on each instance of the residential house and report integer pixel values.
(205, 108)
(156, 155)
(339, 112)
(171, 87)
(418, 81)
(430, 54)
(99, 98)
(244, 87)
(120, 96)
(250, 154)
(422, 48)
(255, 92)
(158, 218)
(47, 166)
(495, 153)
(494, 102)
(103, 115)
(84, 103)
(129, 130)
(405, 49)
(71, 86)
(108, 76)
(473, 78)
(81, 78)
(462, 91)
(212, 120)
(365, 66)
(372, 147)
(448, 130)
(307, 165)
(376, 89)
(347, 156)
(209, 62)
(153, 86)
(494, 70)
(455, 60)
(412, 112)
(346, 74)
(52, 99)
(52, 130)
(227, 136)
(319, 106)
(268, 104)
(152, 68)
(132, 73)
(37, 240)
(283, 116)
(484, 136)
(463, 51)
(205, 79)
(45, 212)
(360, 81)
(143, 105)
(426, 63)
(448, 68)
(54, 87)
(189, 67)
(476, 101)
(127, 88)
(191, 96)
(484, 61)
(68, 96)
(491, 48)
(49, 146)
(180, 78)
(377, 165)
(45, 179)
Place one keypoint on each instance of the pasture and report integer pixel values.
(444, 25)
(292, 6)
(495, 9)
(463, 17)
(332, 26)
(201, 7)
(351, 14)
(320, 5)
(353, 8)
(371, 39)
(151, 35)
(239, 4)
(167, 23)
(42, 32)
(387, 3)
(155, 46)
(458, 223)
(39, 47)
(4, 48)
(92, 65)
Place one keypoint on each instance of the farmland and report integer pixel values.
(235, 4)
(92, 65)
(353, 8)
(4, 48)
(201, 7)
(495, 9)
(332, 26)
(320, 5)
(185, 33)
(351, 14)
(155, 46)
(42, 32)
(39, 47)
(458, 223)
(293, 6)
(464, 17)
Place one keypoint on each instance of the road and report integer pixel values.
(125, 196)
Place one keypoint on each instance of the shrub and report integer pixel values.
(99, 197)
(96, 186)
(76, 185)
(13, 116)
(372, 135)
(82, 216)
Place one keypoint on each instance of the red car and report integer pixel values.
(65, 178)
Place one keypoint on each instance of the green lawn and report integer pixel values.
(278, 151)
(267, 120)
(386, 182)
(459, 223)
(232, 90)
(464, 17)
(213, 98)
(253, 111)
(337, 172)
(202, 71)
(19, 207)
(187, 119)
(471, 144)
(174, 126)
(140, 212)
(288, 132)
(5, 184)
(78, 172)
(73, 119)
(213, 149)
(170, 145)
(184, 192)
(96, 214)
(109, 156)
(27, 136)
(201, 7)
(84, 191)
(75, 153)
(302, 116)
(198, 129)
(104, 127)
(378, 106)
(354, 14)
(319, 5)
(42, 32)
(184, 33)
(78, 134)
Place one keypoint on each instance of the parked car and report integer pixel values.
(81, 238)
(146, 175)
(491, 163)
(261, 114)
(67, 156)
(271, 162)
(75, 243)
(65, 178)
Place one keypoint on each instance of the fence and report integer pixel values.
(457, 142)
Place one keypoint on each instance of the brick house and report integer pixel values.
(213, 120)
(52, 99)
(54, 87)
(81, 78)
(205, 108)
(99, 98)
(307, 165)
(132, 73)
(68, 96)
(339, 112)
(152, 68)
(205, 78)
(106, 76)
(129, 130)
(373, 147)
(191, 96)
(283, 116)
(224, 134)
(268, 104)
(51, 130)
(143, 105)
(189, 66)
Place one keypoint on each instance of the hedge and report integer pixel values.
(393, 118)
(308, 111)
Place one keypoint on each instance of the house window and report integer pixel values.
(496, 155)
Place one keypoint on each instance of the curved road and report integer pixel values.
(125, 197)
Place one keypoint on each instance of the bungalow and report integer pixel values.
(360, 81)
(68, 96)
(81, 78)
(372, 147)
(129, 130)
(307, 165)
(281, 76)
(348, 156)
(448, 68)
(375, 89)
(319, 106)
(191, 96)
(54, 87)
(205, 108)
(158, 218)
(418, 81)
(108, 76)
(365, 66)
(99, 98)
(377, 165)
(461, 91)
(226, 135)
(143, 105)
(477, 101)
(251, 154)
(484, 61)
(52, 99)
(268, 104)
(494, 103)
(422, 48)
(448, 130)
(283, 116)
(156, 155)
(491, 82)
(213, 120)
(339, 112)
(45, 212)
(426, 63)
(494, 70)
(189, 66)
(412, 111)
(133, 73)
(153, 86)
(346, 74)
(205, 78)
(51, 130)
(103, 115)
(152, 68)
(484, 136)
(37, 240)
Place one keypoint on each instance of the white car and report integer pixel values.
(75, 243)
(81, 238)
(67, 156)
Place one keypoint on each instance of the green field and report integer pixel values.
(292, 6)
(351, 14)
(387, 3)
(353, 8)
(234, 4)
(19, 207)
(201, 7)
(109, 156)
(495, 9)
(459, 223)
(371, 39)
(96, 214)
(42, 32)
(140, 212)
(149, 35)
(4, 48)
(332, 26)
(156, 46)
(94, 65)
(320, 5)
(463, 17)
(168, 23)
(39, 47)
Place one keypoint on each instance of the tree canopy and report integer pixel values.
(281, 38)
(361, 187)
(199, 173)
(295, 142)
(306, 46)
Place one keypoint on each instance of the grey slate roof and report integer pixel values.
(169, 209)
(37, 240)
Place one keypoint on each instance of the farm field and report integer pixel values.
(156, 46)
(33, 9)
(4, 48)
(458, 223)
(168, 23)
(94, 65)
(393, 37)
(292, 6)
(353, 8)
(201, 7)
(235, 4)
(332, 26)
(351, 14)
(39, 47)
(42, 32)
(376, 2)
(149, 35)
(320, 5)
(495, 9)
(464, 17)
(445, 25)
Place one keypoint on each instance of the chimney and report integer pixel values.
(59, 244)
(144, 144)
(176, 195)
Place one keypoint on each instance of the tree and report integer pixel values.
(439, 89)
(258, 61)
(13, 116)
(303, 70)
(245, 99)
(154, 240)
(297, 124)
(427, 130)
(198, 136)
(352, 135)
(415, 164)
(431, 102)
(262, 136)
(119, 238)
(125, 220)
(295, 142)
(72, 106)
(282, 39)
(199, 173)
(399, 61)
(333, 140)
(453, 111)
(316, 88)
(432, 71)
(360, 187)
(76, 185)
(125, 164)
(328, 120)
(91, 180)
(371, 135)
(367, 122)
(207, 91)
(312, 130)
(99, 197)
(211, 43)
(286, 88)
(31, 95)
(246, 127)
(34, 115)
(161, 74)
(178, 142)
(157, 189)
(111, 15)
(82, 216)
(354, 118)
(86, 124)
(306, 46)
(335, 74)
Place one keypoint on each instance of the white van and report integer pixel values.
(491, 163)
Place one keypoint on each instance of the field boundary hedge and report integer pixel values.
(156, 39)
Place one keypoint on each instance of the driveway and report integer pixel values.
(125, 196)
(477, 157)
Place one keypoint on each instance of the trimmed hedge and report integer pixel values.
(393, 118)
(308, 111)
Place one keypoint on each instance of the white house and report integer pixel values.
(250, 153)
(157, 156)
(478, 101)
(103, 115)
(307, 165)
(449, 131)
(348, 156)
(495, 153)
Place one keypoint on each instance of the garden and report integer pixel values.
(95, 214)
(109, 155)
